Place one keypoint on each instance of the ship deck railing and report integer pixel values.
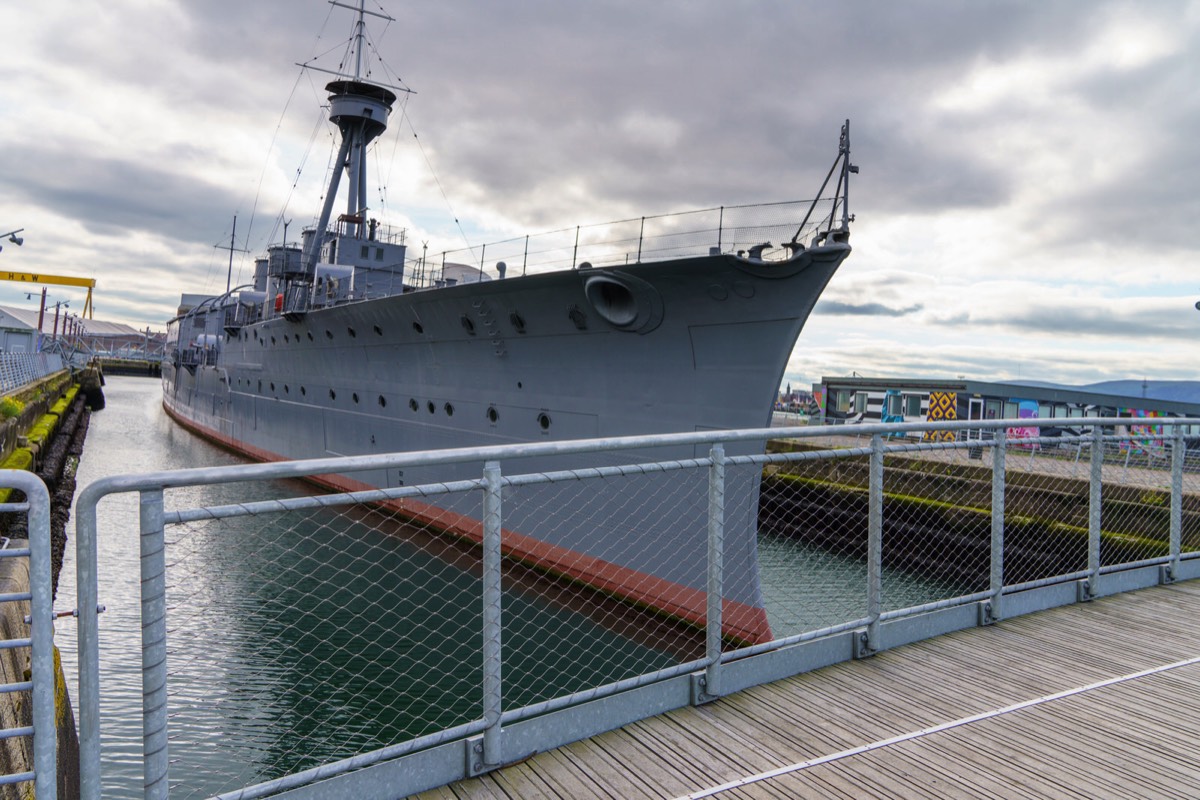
(897, 539)
(762, 230)
(701, 232)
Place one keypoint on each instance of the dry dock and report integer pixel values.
(1100, 699)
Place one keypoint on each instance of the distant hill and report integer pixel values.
(1172, 391)
(1176, 391)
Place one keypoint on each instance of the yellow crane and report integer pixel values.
(58, 280)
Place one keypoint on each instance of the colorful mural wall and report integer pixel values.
(943, 406)
(1026, 409)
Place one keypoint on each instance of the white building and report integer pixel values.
(16, 334)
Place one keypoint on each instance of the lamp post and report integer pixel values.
(41, 316)
(63, 304)
(12, 237)
(42, 312)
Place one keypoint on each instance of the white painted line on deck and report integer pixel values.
(945, 726)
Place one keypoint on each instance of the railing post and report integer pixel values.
(716, 569)
(874, 547)
(641, 233)
(1178, 454)
(154, 645)
(1095, 500)
(492, 625)
(999, 484)
(41, 634)
(88, 637)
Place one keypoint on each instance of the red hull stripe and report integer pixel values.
(742, 623)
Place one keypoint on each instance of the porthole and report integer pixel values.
(272, 386)
(310, 336)
(354, 396)
(449, 409)
(468, 325)
(303, 391)
(417, 327)
(332, 394)
(272, 341)
(260, 386)
(328, 334)
(432, 409)
(544, 421)
(413, 404)
(353, 333)
(286, 390)
(378, 331)
(492, 414)
(518, 322)
(382, 401)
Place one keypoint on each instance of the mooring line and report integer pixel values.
(945, 726)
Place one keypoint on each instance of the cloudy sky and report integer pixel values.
(1027, 206)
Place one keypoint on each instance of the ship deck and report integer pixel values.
(1100, 699)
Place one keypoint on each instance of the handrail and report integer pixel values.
(711, 676)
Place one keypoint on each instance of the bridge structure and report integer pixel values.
(943, 623)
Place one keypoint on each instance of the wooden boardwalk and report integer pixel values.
(1137, 735)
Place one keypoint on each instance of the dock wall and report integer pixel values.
(938, 516)
(42, 430)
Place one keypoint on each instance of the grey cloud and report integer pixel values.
(864, 309)
(1103, 321)
(109, 195)
(520, 108)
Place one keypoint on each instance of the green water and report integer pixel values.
(808, 588)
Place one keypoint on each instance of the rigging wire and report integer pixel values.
(436, 179)
(266, 161)
(312, 139)
(406, 119)
(263, 173)
(383, 181)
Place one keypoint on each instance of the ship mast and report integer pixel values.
(360, 109)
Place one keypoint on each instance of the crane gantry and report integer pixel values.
(57, 280)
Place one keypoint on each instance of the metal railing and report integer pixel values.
(360, 597)
(21, 369)
(33, 724)
(724, 229)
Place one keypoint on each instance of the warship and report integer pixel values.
(347, 344)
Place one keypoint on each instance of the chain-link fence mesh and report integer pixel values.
(331, 632)
(336, 630)
(937, 518)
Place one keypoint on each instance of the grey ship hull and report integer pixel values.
(684, 345)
